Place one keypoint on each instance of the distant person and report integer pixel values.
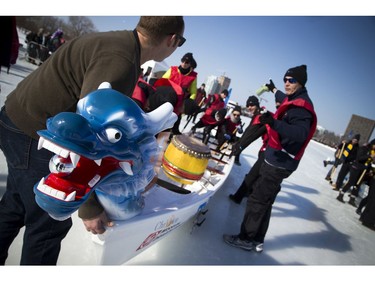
(208, 122)
(36, 37)
(213, 104)
(366, 180)
(56, 40)
(185, 77)
(228, 129)
(9, 43)
(360, 166)
(290, 130)
(254, 131)
(115, 57)
(199, 101)
(368, 215)
(335, 163)
(215, 101)
(349, 155)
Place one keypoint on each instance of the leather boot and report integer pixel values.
(352, 201)
(340, 197)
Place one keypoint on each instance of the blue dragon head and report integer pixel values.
(107, 146)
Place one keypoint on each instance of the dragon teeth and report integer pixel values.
(58, 150)
(71, 197)
(43, 143)
(51, 191)
(74, 158)
(126, 167)
(94, 180)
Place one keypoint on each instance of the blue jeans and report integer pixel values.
(26, 166)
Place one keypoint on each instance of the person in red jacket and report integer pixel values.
(227, 131)
(212, 115)
(252, 133)
(183, 79)
(289, 131)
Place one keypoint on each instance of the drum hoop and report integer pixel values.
(175, 171)
(191, 152)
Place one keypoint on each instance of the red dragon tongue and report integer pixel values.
(66, 179)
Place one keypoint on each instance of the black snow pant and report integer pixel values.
(345, 168)
(259, 204)
(247, 185)
(354, 175)
(368, 215)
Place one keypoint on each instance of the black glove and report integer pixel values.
(236, 150)
(147, 89)
(267, 118)
(270, 86)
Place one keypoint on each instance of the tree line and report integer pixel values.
(73, 27)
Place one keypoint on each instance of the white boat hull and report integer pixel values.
(164, 211)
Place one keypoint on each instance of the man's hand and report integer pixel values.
(267, 118)
(97, 225)
(270, 86)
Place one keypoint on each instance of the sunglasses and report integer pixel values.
(181, 39)
(290, 80)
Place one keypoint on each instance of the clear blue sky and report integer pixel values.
(338, 51)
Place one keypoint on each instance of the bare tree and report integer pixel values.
(80, 25)
(76, 26)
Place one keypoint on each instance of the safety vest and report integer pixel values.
(178, 108)
(183, 80)
(217, 104)
(274, 139)
(255, 121)
(140, 94)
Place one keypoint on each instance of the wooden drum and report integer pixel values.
(185, 159)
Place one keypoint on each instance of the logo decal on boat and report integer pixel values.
(161, 228)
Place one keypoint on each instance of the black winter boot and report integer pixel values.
(340, 197)
(352, 201)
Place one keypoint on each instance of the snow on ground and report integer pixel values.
(308, 225)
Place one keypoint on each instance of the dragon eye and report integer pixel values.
(113, 135)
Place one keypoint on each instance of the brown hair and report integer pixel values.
(157, 27)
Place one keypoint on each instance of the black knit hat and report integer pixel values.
(222, 112)
(225, 92)
(299, 73)
(237, 108)
(189, 57)
(357, 137)
(252, 100)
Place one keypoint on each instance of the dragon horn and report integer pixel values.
(161, 118)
